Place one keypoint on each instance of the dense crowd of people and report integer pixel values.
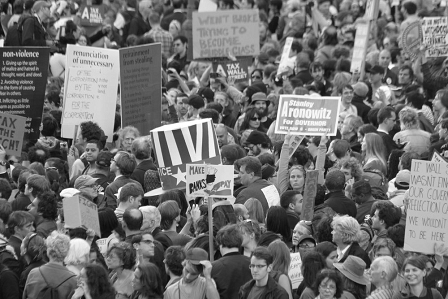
(156, 245)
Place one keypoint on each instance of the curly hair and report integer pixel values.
(409, 118)
(348, 227)
(61, 167)
(98, 281)
(58, 245)
(125, 253)
(91, 130)
(126, 130)
(323, 230)
(48, 205)
(355, 167)
(327, 274)
(150, 280)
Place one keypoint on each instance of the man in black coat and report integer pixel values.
(336, 199)
(31, 29)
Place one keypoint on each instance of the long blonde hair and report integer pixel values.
(375, 148)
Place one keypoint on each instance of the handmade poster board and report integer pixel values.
(305, 115)
(141, 87)
(209, 180)
(435, 36)
(23, 78)
(79, 211)
(427, 208)
(438, 158)
(283, 66)
(12, 130)
(295, 270)
(106, 61)
(411, 39)
(224, 32)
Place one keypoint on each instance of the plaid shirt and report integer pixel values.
(161, 36)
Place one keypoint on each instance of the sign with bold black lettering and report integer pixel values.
(435, 34)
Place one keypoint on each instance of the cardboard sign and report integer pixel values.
(102, 245)
(435, 36)
(411, 39)
(437, 158)
(305, 115)
(360, 48)
(295, 270)
(23, 79)
(309, 195)
(236, 71)
(105, 61)
(79, 211)
(141, 87)
(224, 32)
(283, 66)
(179, 144)
(12, 129)
(427, 209)
(272, 195)
(209, 180)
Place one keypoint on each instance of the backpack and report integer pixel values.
(378, 182)
(50, 292)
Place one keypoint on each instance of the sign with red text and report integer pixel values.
(209, 180)
(435, 36)
(12, 129)
(305, 115)
(224, 32)
(81, 212)
(427, 207)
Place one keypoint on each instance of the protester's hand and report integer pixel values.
(107, 28)
(288, 137)
(207, 268)
(170, 98)
(222, 80)
(188, 214)
(79, 292)
(195, 213)
(73, 152)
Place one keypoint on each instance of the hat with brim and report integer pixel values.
(353, 268)
(196, 255)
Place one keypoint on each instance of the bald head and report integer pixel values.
(133, 219)
(222, 134)
(384, 59)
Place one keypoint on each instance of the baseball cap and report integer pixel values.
(104, 159)
(84, 181)
(196, 255)
(376, 69)
(39, 4)
(403, 178)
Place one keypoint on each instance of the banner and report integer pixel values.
(224, 32)
(305, 115)
(12, 129)
(141, 87)
(295, 270)
(435, 36)
(427, 209)
(235, 71)
(92, 17)
(179, 144)
(106, 61)
(437, 158)
(79, 211)
(23, 79)
(360, 48)
(209, 180)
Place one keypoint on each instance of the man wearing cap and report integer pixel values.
(193, 285)
(195, 105)
(102, 173)
(360, 91)
(380, 91)
(362, 195)
(258, 143)
(32, 30)
(141, 149)
(87, 187)
(402, 184)
(262, 285)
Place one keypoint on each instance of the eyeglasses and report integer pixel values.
(328, 287)
(255, 118)
(252, 266)
(51, 168)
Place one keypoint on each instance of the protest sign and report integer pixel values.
(372, 8)
(284, 66)
(272, 195)
(305, 115)
(309, 194)
(92, 17)
(23, 79)
(179, 144)
(220, 33)
(360, 47)
(235, 71)
(106, 61)
(295, 270)
(79, 211)
(12, 129)
(435, 36)
(411, 39)
(427, 208)
(207, 5)
(141, 87)
(209, 180)
(102, 246)
(437, 158)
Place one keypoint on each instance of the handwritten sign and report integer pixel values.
(360, 47)
(295, 270)
(102, 245)
(437, 158)
(272, 195)
(79, 211)
(305, 115)
(309, 194)
(235, 71)
(23, 79)
(12, 129)
(220, 33)
(141, 86)
(427, 210)
(435, 35)
(105, 61)
(209, 180)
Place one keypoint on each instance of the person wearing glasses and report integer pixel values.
(328, 285)
(252, 121)
(262, 284)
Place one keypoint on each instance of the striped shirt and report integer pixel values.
(384, 292)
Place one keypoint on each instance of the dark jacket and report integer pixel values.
(341, 204)
(179, 16)
(273, 290)
(21, 202)
(139, 171)
(356, 250)
(9, 284)
(254, 190)
(31, 32)
(112, 189)
(293, 218)
(388, 142)
(138, 26)
(162, 238)
(362, 108)
(230, 272)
